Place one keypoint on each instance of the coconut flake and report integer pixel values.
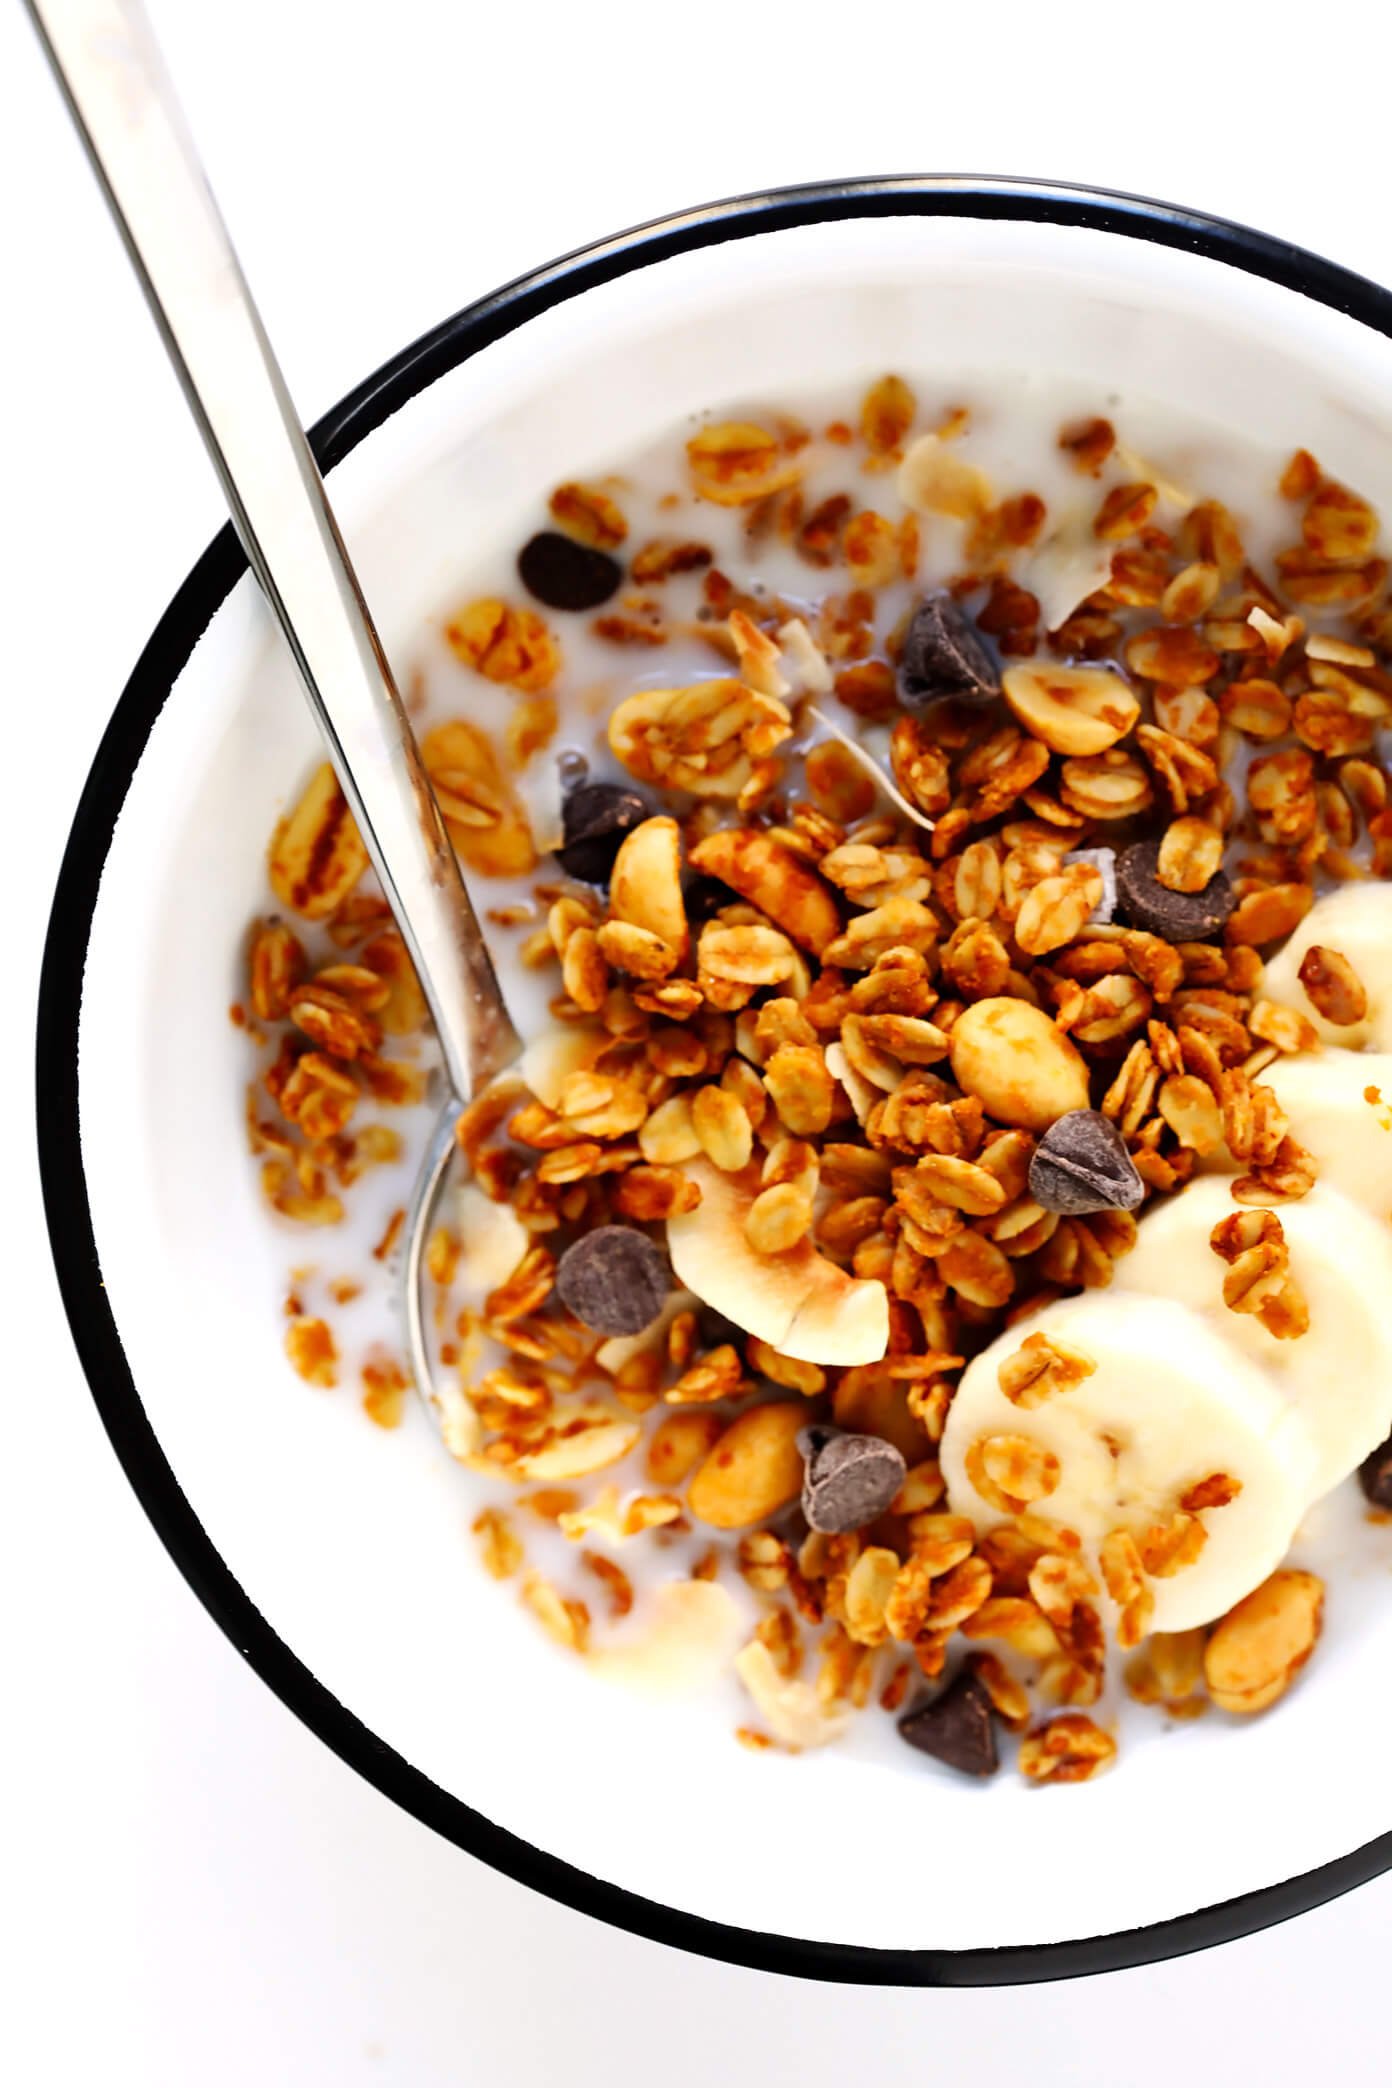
(873, 768)
(1277, 636)
(461, 1431)
(1144, 473)
(863, 1093)
(687, 1645)
(1103, 860)
(492, 1241)
(791, 1709)
(934, 480)
(541, 788)
(549, 1059)
(760, 664)
(1068, 567)
(611, 1355)
(614, 1520)
(805, 657)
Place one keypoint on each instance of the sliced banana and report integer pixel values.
(1357, 921)
(1170, 1403)
(1336, 1378)
(798, 1302)
(1340, 1106)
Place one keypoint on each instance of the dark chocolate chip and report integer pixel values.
(1177, 916)
(945, 655)
(704, 897)
(715, 1331)
(597, 816)
(567, 575)
(956, 1728)
(1081, 1164)
(849, 1480)
(614, 1280)
(1375, 1475)
(813, 1439)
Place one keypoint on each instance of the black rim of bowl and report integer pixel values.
(65, 1191)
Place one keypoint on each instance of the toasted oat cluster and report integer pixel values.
(895, 959)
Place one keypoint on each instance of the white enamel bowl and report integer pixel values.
(338, 1559)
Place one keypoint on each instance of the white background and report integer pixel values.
(199, 1892)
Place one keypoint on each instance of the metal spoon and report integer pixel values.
(118, 92)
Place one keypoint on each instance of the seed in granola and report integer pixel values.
(597, 816)
(566, 575)
(1175, 916)
(1023, 1069)
(1332, 985)
(956, 1728)
(1375, 1475)
(849, 1481)
(945, 655)
(614, 1280)
(1081, 1164)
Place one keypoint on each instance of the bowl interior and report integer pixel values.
(355, 1546)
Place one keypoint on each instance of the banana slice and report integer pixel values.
(1340, 1106)
(1169, 1404)
(798, 1302)
(1336, 1377)
(1357, 921)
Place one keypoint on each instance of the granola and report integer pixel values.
(912, 928)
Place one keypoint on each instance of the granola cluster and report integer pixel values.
(814, 1023)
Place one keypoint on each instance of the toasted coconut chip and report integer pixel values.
(542, 792)
(877, 773)
(612, 1355)
(692, 1630)
(548, 1060)
(1068, 566)
(460, 1428)
(792, 1710)
(800, 1303)
(1144, 472)
(492, 1241)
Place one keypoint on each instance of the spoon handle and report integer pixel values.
(113, 78)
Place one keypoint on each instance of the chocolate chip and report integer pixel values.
(567, 575)
(596, 817)
(1375, 1475)
(956, 1728)
(713, 1330)
(614, 1280)
(945, 655)
(1177, 916)
(849, 1479)
(705, 897)
(1081, 1164)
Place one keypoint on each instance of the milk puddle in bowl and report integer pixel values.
(798, 619)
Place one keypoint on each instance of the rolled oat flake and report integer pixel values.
(614, 1280)
(945, 655)
(1081, 1164)
(849, 1480)
(956, 1728)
